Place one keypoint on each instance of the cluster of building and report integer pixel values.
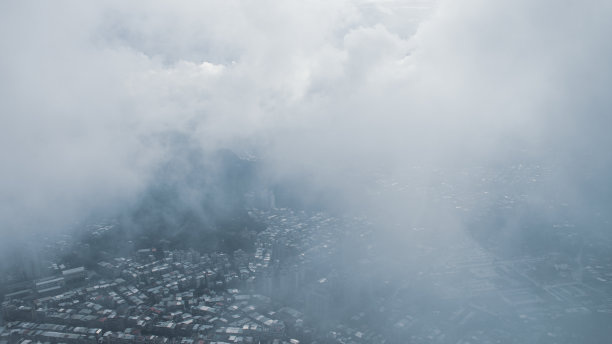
(313, 278)
(179, 296)
(49, 285)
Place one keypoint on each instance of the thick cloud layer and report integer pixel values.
(329, 90)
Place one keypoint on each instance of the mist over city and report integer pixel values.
(286, 172)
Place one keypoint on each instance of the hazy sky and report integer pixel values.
(323, 86)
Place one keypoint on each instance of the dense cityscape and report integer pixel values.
(301, 284)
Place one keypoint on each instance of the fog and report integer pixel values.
(439, 121)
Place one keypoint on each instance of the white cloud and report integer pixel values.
(326, 86)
